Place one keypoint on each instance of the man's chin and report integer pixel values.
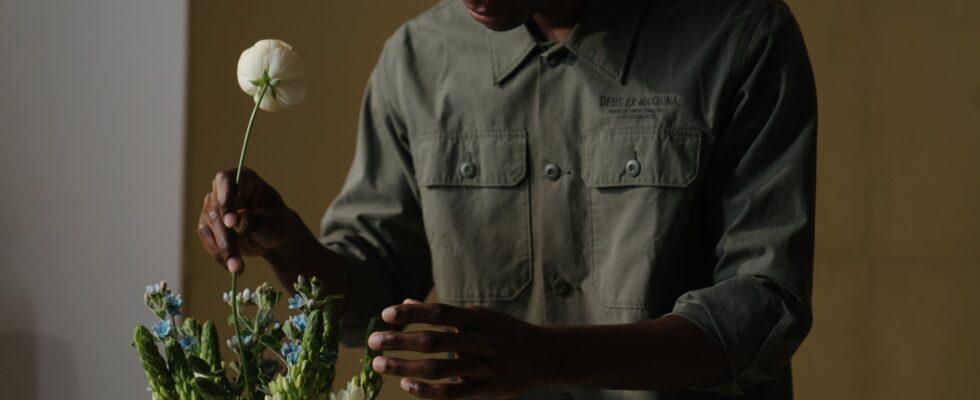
(498, 23)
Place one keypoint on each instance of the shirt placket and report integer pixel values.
(556, 188)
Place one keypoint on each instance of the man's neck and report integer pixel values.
(556, 19)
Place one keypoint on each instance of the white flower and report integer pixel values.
(353, 392)
(274, 63)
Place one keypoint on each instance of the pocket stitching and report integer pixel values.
(685, 134)
(691, 134)
(526, 269)
(506, 179)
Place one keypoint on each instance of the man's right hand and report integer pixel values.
(248, 219)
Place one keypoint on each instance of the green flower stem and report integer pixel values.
(248, 132)
(234, 277)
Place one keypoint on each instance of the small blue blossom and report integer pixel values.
(227, 297)
(187, 342)
(173, 304)
(295, 302)
(161, 328)
(291, 352)
(299, 321)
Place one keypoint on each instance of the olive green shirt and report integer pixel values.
(661, 160)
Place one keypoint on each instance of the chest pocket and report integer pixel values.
(475, 208)
(639, 182)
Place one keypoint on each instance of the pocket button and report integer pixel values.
(467, 170)
(633, 168)
(552, 172)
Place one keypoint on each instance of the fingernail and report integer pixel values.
(388, 314)
(411, 301)
(378, 364)
(234, 265)
(374, 341)
(229, 220)
(406, 384)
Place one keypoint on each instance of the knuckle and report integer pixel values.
(223, 244)
(428, 369)
(426, 342)
(203, 230)
(438, 312)
(214, 215)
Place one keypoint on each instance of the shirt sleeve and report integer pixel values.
(761, 183)
(375, 223)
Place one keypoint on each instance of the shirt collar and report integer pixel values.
(604, 38)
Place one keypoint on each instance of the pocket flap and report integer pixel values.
(641, 157)
(476, 159)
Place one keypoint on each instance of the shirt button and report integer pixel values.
(467, 170)
(552, 60)
(552, 172)
(633, 168)
(563, 288)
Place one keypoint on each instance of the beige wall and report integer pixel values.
(899, 182)
(899, 86)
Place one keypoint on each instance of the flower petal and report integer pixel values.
(252, 64)
(268, 103)
(284, 63)
(290, 93)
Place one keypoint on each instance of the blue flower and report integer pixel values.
(187, 342)
(295, 302)
(299, 321)
(161, 328)
(227, 297)
(291, 352)
(173, 304)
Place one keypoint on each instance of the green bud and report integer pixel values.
(209, 347)
(161, 382)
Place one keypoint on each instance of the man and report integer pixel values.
(613, 199)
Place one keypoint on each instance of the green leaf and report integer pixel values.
(210, 390)
(199, 366)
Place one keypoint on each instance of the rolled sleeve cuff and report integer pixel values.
(758, 337)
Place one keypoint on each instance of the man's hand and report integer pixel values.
(496, 356)
(246, 219)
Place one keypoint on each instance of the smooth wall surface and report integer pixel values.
(898, 172)
(91, 188)
(898, 188)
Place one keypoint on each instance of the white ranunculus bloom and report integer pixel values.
(272, 62)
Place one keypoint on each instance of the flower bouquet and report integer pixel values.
(303, 348)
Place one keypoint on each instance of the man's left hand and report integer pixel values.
(495, 355)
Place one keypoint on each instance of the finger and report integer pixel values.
(431, 342)
(411, 301)
(432, 313)
(224, 188)
(224, 239)
(424, 369)
(443, 390)
(207, 240)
